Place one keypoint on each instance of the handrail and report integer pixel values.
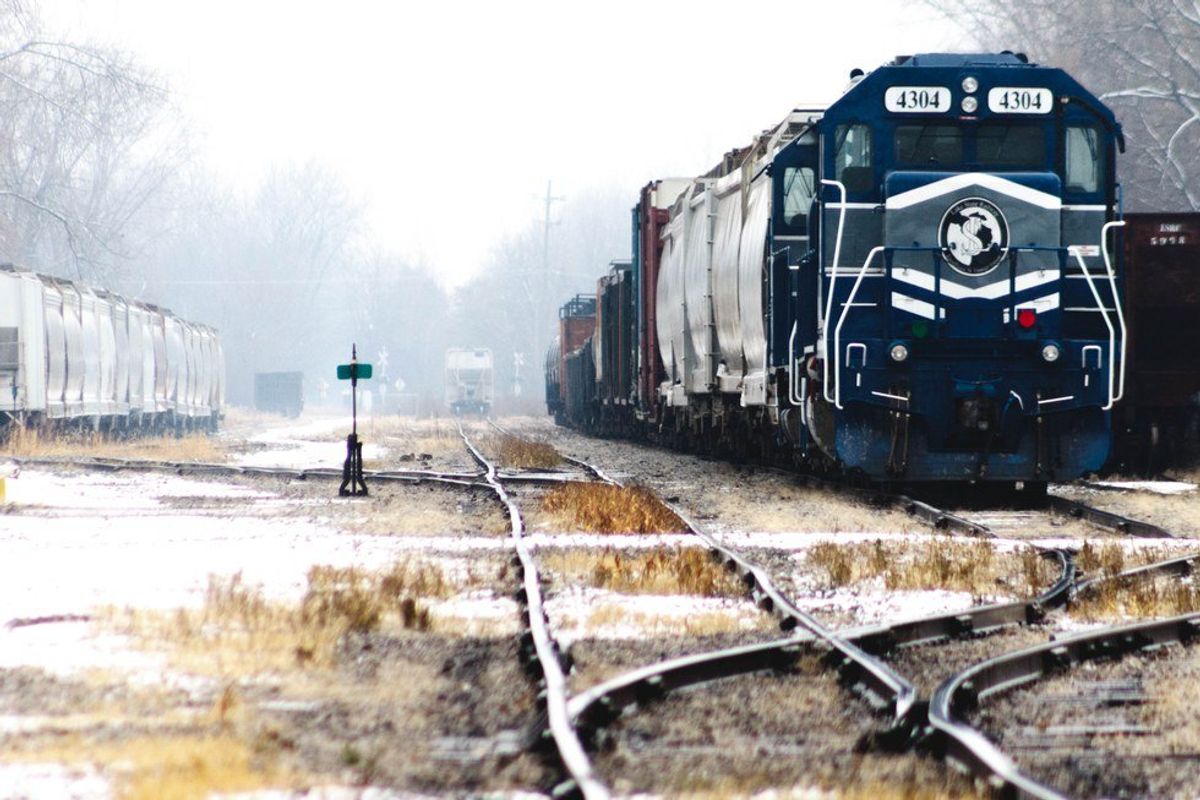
(1112, 282)
(837, 254)
(792, 395)
(1112, 333)
(837, 331)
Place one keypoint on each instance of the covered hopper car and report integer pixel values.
(71, 355)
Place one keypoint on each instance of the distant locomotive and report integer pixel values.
(469, 381)
(75, 356)
(918, 283)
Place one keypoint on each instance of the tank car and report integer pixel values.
(919, 282)
(469, 381)
(71, 355)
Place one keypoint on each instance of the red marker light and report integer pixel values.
(1026, 317)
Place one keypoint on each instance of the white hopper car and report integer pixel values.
(74, 356)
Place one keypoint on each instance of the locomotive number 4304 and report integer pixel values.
(917, 99)
(1020, 100)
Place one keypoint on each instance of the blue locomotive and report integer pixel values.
(919, 282)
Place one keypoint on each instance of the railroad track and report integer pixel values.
(540, 643)
(211, 468)
(963, 745)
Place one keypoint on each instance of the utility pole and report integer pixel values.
(545, 304)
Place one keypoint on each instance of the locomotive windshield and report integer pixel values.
(1003, 144)
(799, 186)
(933, 145)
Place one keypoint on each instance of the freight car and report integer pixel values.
(469, 381)
(1159, 419)
(73, 356)
(279, 393)
(917, 283)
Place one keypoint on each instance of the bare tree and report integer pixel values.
(1142, 57)
(88, 142)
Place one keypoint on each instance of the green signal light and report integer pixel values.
(920, 329)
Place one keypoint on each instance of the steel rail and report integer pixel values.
(875, 681)
(605, 701)
(205, 467)
(1179, 567)
(967, 747)
(866, 675)
(561, 728)
(1104, 519)
(979, 620)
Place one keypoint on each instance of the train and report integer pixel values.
(923, 281)
(470, 380)
(76, 357)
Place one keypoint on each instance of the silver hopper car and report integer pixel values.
(469, 380)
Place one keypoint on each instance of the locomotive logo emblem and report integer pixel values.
(973, 236)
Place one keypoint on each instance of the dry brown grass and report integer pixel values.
(34, 443)
(239, 632)
(184, 767)
(1127, 597)
(707, 623)
(678, 570)
(602, 508)
(966, 565)
(517, 452)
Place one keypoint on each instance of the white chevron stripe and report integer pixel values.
(1041, 304)
(912, 305)
(990, 291)
(956, 182)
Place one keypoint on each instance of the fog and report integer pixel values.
(405, 176)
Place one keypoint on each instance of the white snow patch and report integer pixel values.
(111, 540)
(636, 616)
(325, 793)
(1157, 487)
(478, 614)
(868, 604)
(68, 782)
(294, 445)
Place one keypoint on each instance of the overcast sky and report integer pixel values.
(447, 119)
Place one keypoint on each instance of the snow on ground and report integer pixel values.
(53, 780)
(870, 603)
(293, 445)
(81, 541)
(1157, 487)
(579, 612)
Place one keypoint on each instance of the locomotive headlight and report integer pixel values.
(970, 84)
(1050, 353)
(969, 105)
(898, 352)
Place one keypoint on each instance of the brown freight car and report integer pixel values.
(1157, 424)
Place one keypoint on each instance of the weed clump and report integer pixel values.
(603, 508)
(516, 452)
(676, 570)
(972, 566)
(239, 629)
(1129, 597)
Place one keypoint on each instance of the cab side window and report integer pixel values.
(1084, 157)
(852, 158)
(799, 185)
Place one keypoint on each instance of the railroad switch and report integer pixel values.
(352, 470)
